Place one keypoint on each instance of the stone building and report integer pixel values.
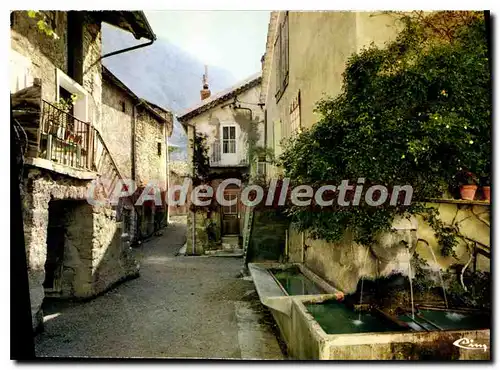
(136, 131)
(232, 122)
(75, 248)
(179, 171)
(306, 54)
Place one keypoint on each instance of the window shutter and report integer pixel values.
(286, 51)
(277, 53)
(282, 56)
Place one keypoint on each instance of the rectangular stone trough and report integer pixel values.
(306, 339)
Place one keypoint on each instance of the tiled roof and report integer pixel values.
(220, 97)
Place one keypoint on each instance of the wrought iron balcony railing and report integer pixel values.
(69, 141)
(219, 159)
(55, 135)
(65, 139)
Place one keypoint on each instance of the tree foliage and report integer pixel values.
(42, 23)
(416, 112)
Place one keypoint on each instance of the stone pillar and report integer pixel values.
(36, 219)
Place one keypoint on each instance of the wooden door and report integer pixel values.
(230, 214)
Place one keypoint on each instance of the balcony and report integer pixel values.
(220, 159)
(59, 142)
(64, 139)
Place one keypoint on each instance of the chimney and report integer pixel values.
(205, 92)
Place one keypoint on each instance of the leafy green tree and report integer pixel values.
(416, 112)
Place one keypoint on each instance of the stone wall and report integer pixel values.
(177, 179)
(78, 259)
(47, 54)
(343, 264)
(112, 260)
(92, 70)
(150, 166)
(473, 222)
(94, 257)
(267, 238)
(117, 126)
(200, 234)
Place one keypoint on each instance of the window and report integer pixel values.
(123, 106)
(228, 139)
(159, 149)
(295, 115)
(66, 96)
(281, 53)
(65, 83)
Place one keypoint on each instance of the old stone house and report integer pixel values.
(179, 172)
(136, 132)
(232, 122)
(306, 54)
(74, 248)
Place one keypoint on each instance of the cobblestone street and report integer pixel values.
(179, 307)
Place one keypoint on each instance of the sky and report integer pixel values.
(233, 40)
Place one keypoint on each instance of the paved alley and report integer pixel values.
(180, 307)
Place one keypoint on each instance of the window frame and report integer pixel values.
(229, 140)
(81, 109)
(159, 147)
(282, 54)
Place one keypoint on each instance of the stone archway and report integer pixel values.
(39, 189)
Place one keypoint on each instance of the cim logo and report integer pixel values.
(467, 343)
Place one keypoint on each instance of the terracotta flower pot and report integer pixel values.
(468, 191)
(487, 193)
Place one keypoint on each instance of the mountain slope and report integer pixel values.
(161, 73)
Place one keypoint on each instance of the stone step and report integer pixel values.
(230, 244)
(231, 239)
(226, 253)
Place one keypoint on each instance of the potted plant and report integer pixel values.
(78, 139)
(468, 185)
(485, 182)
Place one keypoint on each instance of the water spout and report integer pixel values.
(440, 275)
(411, 285)
(362, 283)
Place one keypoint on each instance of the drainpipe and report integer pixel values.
(135, 47)
(127, 49)
(194, 212)
(168, 177)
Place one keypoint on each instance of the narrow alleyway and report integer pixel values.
(180, 307)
